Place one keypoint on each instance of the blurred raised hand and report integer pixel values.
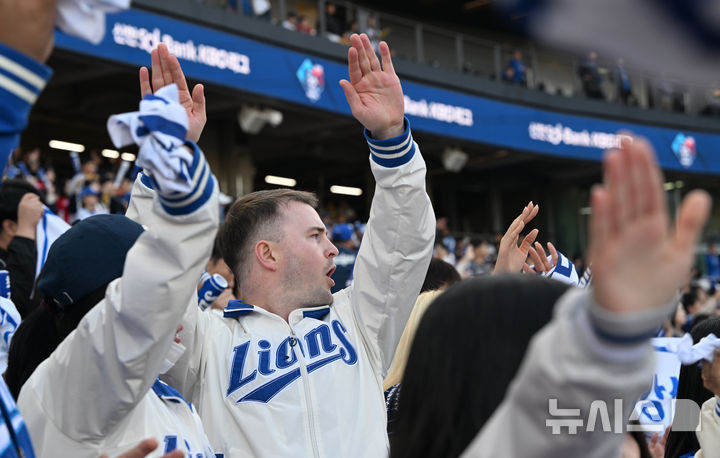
(166, 70)
(374, 92)
(511, 256)
(638, 262)
(541, 263)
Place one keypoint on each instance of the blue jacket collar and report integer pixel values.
(239, 308)
(168, 393)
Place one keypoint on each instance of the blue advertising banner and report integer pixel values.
(249, 65)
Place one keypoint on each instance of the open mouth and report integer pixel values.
(331, 271)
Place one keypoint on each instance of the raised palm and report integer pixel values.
(637, 261)
(374, 92)
(166, 70)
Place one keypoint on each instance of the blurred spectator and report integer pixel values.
(440, 275)
(443, 235)
(29, 167)
(334, 25)
(217, 265)
(579, 265)
(683, 442)
(354, 28)
(291, 22)
(342, 238)
(262, 9)
(514, 72)
(712, 98)
(590, 76)
(305, 27)
(20, 212)
(692, 304)
(622, 81)
(90, 203)
(374, 33)
(712, 263)
(477, 260)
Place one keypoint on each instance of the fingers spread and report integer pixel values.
(165, 64)
(157, 79)
(370, 52)
(145, 88)
(528, 241)
(351, 95)
(354, 71)
(599, 227)
(534, 209)
(198, 99)
(387, 64)
(362, 55)
(553, 254)
(691, 219)
(536, 259)
(177, 75)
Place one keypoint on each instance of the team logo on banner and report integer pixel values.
(312, 79)
(684, 149)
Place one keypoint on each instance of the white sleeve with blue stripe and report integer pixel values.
(392, 152)
(21, 81)
(397, 246)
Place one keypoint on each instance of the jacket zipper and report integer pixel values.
(308, 399)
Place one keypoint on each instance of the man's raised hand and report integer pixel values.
(166, 70)
(637, 262)
(374, 92)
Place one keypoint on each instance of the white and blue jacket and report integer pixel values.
(98, 392)
(21, 81)
(312, 386)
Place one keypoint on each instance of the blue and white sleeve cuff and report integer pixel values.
(203, 185)
(617, 337)
(22, 76)
(392, 152)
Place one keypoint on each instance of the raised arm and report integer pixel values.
(397, 245)
(596, 352)
(119, 347)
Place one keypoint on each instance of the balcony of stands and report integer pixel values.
(462, 60)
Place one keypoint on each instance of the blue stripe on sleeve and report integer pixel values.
(627, 340)
(204, 184)
(392, 152)
(163, 125)
(14, 109)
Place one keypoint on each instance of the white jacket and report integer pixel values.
(98, 391)
(577, 385)
(708, 430)
(313, 386)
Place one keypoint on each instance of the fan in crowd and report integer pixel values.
(118, 350)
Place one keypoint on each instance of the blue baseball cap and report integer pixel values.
(89, 255)
(342, 232)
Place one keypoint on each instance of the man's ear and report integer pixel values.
(265, 254)
(9, 227)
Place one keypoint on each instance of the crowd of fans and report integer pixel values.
(98, 185)
(400, 355)
(659, 92)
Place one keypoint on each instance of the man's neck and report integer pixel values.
(273, 304)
